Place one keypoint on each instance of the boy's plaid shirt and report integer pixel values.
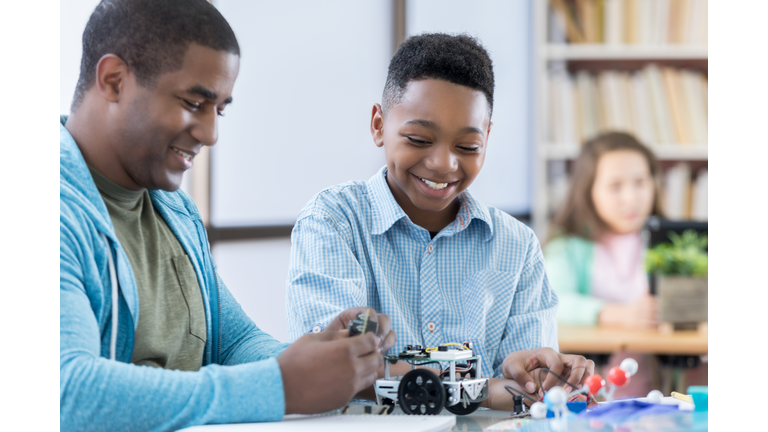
(481, 279)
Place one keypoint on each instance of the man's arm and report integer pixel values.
(99, 394)
(324, 276)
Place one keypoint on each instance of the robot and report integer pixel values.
(423, 392)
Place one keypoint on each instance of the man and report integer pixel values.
(151, 339)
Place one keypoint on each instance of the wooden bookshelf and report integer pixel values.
(623, 52)
(569, 58)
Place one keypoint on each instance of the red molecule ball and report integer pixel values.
(595, 383)
(617, 376)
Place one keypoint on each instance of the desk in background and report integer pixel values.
(670, 348)
(600, 340)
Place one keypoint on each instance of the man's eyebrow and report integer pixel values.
(208, 94)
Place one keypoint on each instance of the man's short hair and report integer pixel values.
(459, 59)
(151, 36)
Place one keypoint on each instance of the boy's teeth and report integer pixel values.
(185, 155)
(433, 185)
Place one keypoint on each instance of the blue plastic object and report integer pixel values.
(700, 395)
(574, 407)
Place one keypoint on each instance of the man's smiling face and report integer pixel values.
(434, 142)
(163, 126)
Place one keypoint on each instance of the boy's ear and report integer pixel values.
(377, 125)
(111, 72)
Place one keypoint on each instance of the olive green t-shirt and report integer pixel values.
(171, 332)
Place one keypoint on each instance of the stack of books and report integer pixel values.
(641, 22)
(659, 105)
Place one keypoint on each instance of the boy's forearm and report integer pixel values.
(499, 398)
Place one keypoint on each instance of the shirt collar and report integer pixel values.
(386, 210)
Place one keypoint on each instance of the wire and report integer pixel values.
(564, 380)
(433, 349)
(512, 391)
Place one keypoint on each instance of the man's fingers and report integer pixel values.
(388, 342)
(364, 345)
(385, 325)
(344, 317)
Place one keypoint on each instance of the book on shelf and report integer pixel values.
(633, 22)
(659, 105)
(683, 197)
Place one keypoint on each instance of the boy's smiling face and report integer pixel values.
(434, 142)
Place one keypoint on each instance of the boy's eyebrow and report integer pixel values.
(470, 130)
(432, 125)
(426, 123)
(206, 93)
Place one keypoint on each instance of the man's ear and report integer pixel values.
(377, 125)
(111, 72)
(488, 132)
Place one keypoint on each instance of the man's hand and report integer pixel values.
(388, 337)
(520, 365)
(324, 371)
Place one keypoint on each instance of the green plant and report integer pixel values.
(685, 256)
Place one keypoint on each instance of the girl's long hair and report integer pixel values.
(578, 216)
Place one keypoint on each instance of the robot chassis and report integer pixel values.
(423, 392)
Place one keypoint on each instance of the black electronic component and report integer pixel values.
(518, 407)
(362, 324)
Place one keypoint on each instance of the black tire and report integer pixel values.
(459, 409)
(421, 393)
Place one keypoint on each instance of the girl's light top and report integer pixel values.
(587, 274)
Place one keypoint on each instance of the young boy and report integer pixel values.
(413, 243)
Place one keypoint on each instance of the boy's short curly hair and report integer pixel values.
(151, 36)
(459, 59)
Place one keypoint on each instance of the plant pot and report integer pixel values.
(681, 299)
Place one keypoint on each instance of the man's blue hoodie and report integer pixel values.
(240, 379)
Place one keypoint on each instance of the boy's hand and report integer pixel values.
(324, 371)
(385, 333)
(520, 365)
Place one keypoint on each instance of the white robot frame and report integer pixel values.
(422, 392)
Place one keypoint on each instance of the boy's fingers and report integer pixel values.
(578, 365)
(552, 359)
(516, 369)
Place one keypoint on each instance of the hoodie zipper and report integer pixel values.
(218, 297)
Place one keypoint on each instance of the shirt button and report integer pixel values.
(430, 249)
(431, 327)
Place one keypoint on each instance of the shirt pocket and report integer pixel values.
(193, 297)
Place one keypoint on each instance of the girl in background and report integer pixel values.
(595, 255)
